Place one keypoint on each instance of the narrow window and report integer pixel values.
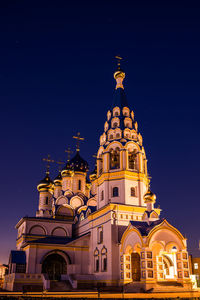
(96, 260)
(79, 184)
(104, 259)
(133, 194)
(100, 235)
(111, 137)
(115, 192)
(46, 200)
(102, 195)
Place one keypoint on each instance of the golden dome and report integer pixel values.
(149, 196)
(119, 73)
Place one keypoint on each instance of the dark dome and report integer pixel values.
(45, 183)
(77, 163)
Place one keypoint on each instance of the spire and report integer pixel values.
(119, 96)
(119, 75)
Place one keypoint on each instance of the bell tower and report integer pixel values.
(121, 160)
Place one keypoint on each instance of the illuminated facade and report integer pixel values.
(104, 231)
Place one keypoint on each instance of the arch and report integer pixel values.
(65, 210)
(61, 200)
(162, 228)
(114, 145)
(76, 202)
(131, 236)
(116, 111)
(126, 111)
(57, 251)
(127, 133)
(156, 247)
(92, 202)
(114, 159)
(170, 245)
(115, 192)
(68, 193)
(131, 145)
(59, 231)
(54, 264)
(115, 122)
(82, 208)
(128, 122)
(38, 230)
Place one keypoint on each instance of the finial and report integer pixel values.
(48, 160)
(119, 75)
(69, 152)
(78, 138)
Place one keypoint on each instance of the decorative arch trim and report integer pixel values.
(165, 225)
(66, 233)
(59, 252)
(129, 229)
(40, 226)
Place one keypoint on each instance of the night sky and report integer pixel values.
(56, 78)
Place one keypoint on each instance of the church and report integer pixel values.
(100, 229)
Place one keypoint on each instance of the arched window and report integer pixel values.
(96, 260)
(133, 192)
(118, 135)
(115, 125)
(46, 200)
(104, 259)
(111, 137)
(102, 195)
(115, 192)
(79, 184)
(114, 159)
(132, 160)
(116, 114)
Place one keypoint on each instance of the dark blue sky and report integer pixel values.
(56, 78)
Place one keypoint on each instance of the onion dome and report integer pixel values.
(149, 196)
(45, 183)
(67, 169)
(77, 163)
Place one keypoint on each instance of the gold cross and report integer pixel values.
(78, 138)
(48, 160)
(69, 152)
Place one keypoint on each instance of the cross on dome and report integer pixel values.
(48, 160)
(78, 138)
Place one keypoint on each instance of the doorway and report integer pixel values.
(135, 264)
(54, 266)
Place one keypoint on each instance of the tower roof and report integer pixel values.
(119, 98)
(77, 163)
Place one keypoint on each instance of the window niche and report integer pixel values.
(102, 195)
(104, 259)
(114, 159)
(115, 192)
(132, 160)
(133, 192)
(96, 260)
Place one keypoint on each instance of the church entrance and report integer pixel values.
(54, 266)
(135, 265)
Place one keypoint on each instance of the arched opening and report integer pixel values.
(132, 160)
(135, 265)
(54, 266)
(114, 159)
(115, 192)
